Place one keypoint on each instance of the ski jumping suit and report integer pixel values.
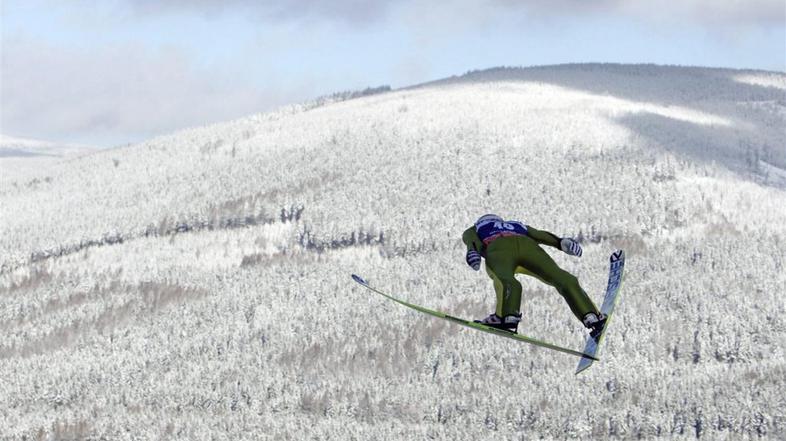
(510, 248)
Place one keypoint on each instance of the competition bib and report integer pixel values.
(488, 231)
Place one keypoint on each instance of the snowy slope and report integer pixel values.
(20, 157)
(11, 146)
(199, 282)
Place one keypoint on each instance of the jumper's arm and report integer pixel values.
(544, 237)
(472, 240)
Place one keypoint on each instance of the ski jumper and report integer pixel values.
(511, 248)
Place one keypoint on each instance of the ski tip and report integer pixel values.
(617, 255)
(582, 369)
(359, 279)
(586, 361)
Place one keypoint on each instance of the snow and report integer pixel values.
(35, 147)
(201, 280)
(20, 157)
(766, 79)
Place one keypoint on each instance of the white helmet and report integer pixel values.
(486, 218)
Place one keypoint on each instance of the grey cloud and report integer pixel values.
(124, 93)
(705, 12)
(349, 11)
(708, 12)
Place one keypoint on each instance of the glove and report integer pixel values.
(571, 247)
(473, 259)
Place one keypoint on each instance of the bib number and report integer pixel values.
(503, 226)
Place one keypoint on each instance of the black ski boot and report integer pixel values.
(595, 323)
(509, 323)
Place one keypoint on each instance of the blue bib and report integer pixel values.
(488, 231)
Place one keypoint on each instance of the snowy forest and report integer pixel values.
(197, 285)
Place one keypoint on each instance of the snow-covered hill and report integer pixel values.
(20, 157)
(198, 283)
(25, 147)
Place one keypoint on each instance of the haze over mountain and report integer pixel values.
(198, 283)
(21, 156)
(25, 147)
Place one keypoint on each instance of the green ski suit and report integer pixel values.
(521, 254)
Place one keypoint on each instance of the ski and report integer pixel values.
(617, 264)
(477, 326)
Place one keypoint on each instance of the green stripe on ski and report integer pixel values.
(473, 325)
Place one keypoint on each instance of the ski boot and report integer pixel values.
(595, 323)
(509, 323)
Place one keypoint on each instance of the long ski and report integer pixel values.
(616, 265)
(477, 326)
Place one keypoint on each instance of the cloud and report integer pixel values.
(124, 92)
(347, 11)
(703, 12)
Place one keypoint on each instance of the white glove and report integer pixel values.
(473, 259)
(571, 247)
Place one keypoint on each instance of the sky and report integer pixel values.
(115, 72)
